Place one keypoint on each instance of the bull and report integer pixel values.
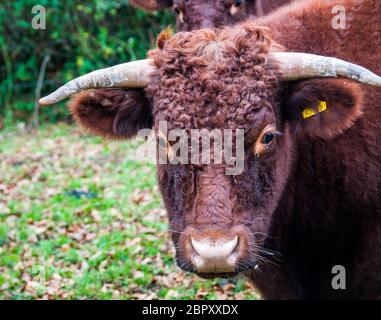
(309, 197)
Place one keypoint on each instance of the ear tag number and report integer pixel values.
(309, 112)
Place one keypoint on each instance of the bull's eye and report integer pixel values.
(268, 138)
(265, 140)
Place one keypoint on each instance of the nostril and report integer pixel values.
(215, 250)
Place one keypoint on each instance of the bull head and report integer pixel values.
(222, 79)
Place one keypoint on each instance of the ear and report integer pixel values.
(152, 5)
(112, 113)
(322, 107)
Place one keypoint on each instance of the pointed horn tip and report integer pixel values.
(46, 101)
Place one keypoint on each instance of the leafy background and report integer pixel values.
(79, 219)
(80, 36)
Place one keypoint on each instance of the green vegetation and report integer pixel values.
(79, 219)
(80, 36)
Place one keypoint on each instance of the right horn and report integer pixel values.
(299, 66)
(133, 74)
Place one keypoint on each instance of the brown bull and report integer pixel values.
(308, 202)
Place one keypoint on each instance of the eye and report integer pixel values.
(268, 138)
(237, 3)
(177, 10)
(265, 140)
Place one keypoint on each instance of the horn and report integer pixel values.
(299, 66)
(133, 74)
(293, 66)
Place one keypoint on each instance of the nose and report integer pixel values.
(215, 254)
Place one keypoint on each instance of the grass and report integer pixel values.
(79, 219)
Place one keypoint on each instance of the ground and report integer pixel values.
(80, 219)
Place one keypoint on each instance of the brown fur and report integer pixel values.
(198, 14)
(312, 200)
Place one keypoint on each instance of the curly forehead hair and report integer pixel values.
(213, 77)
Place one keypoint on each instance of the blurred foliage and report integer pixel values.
(80, 36)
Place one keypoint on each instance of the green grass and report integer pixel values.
(111, 245)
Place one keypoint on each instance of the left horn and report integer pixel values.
(299, 66)
(133, 74)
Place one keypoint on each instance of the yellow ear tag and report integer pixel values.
(309, 112)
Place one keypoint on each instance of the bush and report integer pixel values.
(80, 36)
